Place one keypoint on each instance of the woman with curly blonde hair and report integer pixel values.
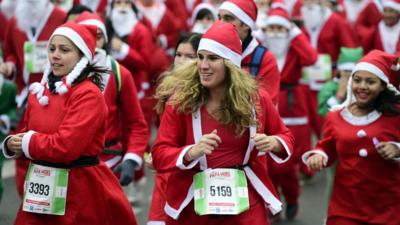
(215, 126)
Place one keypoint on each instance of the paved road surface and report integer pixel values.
(312, 202)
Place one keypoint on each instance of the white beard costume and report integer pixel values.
(123, 21)
(30, 13)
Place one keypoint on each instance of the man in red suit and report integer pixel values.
(243, 14)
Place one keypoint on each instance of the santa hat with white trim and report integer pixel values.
(223, 40)
(394, 4)
(88, 18)
(244, 10)
(381, 64)
(278, 16)
(84, 38)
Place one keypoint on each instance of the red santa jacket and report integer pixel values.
(14, 44)
(268, 76)
(361, 172)
(178, 132)
(3, 24)
(124, 114)
(293, 96)
(376, 37)
(333, 34)
(70, 126)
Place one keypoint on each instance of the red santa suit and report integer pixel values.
(179, 132)
(384, 38)
(293, 107)
(124, 111)
(333, 32)
(361, 172)
(268, 76)
(13, 52)
(3, 23)
(74, 125)
(163, 23)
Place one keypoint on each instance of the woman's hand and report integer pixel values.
(116, 44)
(265, 143)
(316, 162)
(206, 146)
(388, 150)
(14, 144)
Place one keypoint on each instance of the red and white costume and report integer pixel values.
(293, 101)
(268, 75)
(13, 52)
(361, 172)
(333, 32)
(176, 136)
(163, 23)
(73, 126)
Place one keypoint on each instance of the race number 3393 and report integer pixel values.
(45, 190)
(221, 192)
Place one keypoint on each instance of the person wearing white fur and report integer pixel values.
(64, 133)
(363, 135)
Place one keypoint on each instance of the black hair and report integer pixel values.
(93, 73)
(77, 9)
(203, 13)
(388, 102)
(191, 38)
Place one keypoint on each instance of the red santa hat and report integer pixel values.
(223, 40)
(278, 16)
(381, 64)
(394, 4)
(278, 4)
(244, 10)
(84, 38)
(93, 19)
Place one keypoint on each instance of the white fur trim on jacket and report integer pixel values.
(307, 154)
(134, 157)
(25, 143)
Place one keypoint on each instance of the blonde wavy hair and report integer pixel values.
(182, 89)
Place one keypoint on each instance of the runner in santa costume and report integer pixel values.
(361, 15)
(186, 50)
(256, 59)
(386, 35)
(363, 136)
(125, 118)
(217, 121)
(7, 9)
(292, 51)
(163, 22)
(25, 54)
(64, 133)
(327, 32)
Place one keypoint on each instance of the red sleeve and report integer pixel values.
(345, 34)
(172, 31)
(8, 46)
(137, 131)
(170, 140)
(307, 54)
(274, 126)
(327, 143)
(269, 77)
(85, 116)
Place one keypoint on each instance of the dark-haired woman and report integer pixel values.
(65, 131)
(364, 137)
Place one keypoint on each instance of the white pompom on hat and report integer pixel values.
(223, 40)
(381, 64)
(84, 38)
(244, 10)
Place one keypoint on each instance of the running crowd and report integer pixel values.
(236, 92)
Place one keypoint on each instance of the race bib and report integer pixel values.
(35, 56)
(321, 70)
(221, 192)
(45, 190)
